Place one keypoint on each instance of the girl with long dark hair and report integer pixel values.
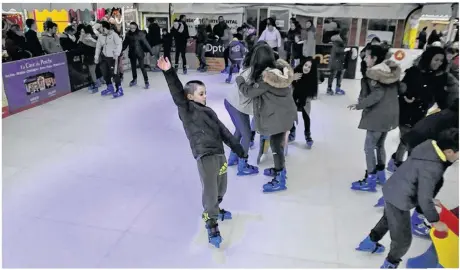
(305, 90)
(87, 44)
(274, 109)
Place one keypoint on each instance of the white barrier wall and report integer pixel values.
(404, 57)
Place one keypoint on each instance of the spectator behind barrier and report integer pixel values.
(50, 41)
(15, 44)
(32, 42)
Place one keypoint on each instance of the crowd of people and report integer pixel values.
(272, 90)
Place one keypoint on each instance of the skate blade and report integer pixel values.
(379, 250)
(247, 173)
(275, 190)
(366, 190)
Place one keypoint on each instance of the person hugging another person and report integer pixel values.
(274, 108)
(305, 90)
(206, 134)
(379, 101)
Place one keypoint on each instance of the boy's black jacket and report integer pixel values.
(204, 130)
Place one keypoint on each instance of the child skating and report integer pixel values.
(274, 108)
(379, 101)
(206, 134)
(305, 90)
(413, 184)
(236, 53)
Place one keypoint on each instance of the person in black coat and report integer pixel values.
(220, 27)
(154, 39)
(87, 47)
(179, 31)
(32, 43)
(427, 83)
(68, 40)
(434, 36)
(422, 38)
(362, 54)
(137, 42)
(15, 44)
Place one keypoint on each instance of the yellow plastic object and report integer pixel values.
(447, 249)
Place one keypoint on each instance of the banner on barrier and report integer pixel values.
(5, 111)
(323, 55)
(34, 81)
(78, 72)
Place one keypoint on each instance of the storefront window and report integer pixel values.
(332, 26)
(384, 29)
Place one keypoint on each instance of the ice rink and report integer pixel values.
(89, 181)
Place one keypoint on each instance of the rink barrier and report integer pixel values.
(31, 82)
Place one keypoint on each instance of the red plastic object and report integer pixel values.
(439, 234)
(450, 219)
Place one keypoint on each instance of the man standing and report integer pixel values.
(219, 28)
(32, 42)
(110, 44)
(180, 33)
(154, 39)
(422, 38)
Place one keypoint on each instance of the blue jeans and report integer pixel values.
(242, 125)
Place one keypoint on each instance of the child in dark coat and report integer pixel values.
(414, 183)
(206, 134)
(379, 101)
(236, 53)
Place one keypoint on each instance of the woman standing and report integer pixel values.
(290, 40)
(136, 41)
(309, 39)
(87, 44)
(271, 35)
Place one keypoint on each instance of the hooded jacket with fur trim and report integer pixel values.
(274, 109)
(379, 97)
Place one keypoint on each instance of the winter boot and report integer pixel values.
(224, 215)
(369, 184)
(381, 176)
(368, 245)
(329, 92)
(380, 202)
(339, 91)
(133, 83)
(277, 184)
(419, 227)
(108, 91)
(232, 159)
(118, 93)
(245, 169)
(387, 265)
(147, 85)
(212, 227)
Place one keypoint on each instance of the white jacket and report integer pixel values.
(272, 38)
(110, 45)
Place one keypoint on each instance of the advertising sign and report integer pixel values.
(34, 81)
(233, 20)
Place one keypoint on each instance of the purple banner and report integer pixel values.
(34, 81)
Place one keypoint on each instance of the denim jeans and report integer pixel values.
(375, 144)
(242, 125)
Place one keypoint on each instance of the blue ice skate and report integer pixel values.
(277, 184)
(380, 202)
(133, 83)
(291, 137)
(232, 159)
(339, 91)
(245, 169)
(108, 91)
(369, 184)
(225, 70)
(381, 177)
(147, 85)
(251, 145)
(419, 227)
(98, 83)
(224, 215)
(387, 265)
(391, 167)
(185, 71)
(367, 245)
(309, 143)
(229, 79)
(214, 237)
(118, 93)
(270, 172)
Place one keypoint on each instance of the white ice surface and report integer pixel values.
(93, 182)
